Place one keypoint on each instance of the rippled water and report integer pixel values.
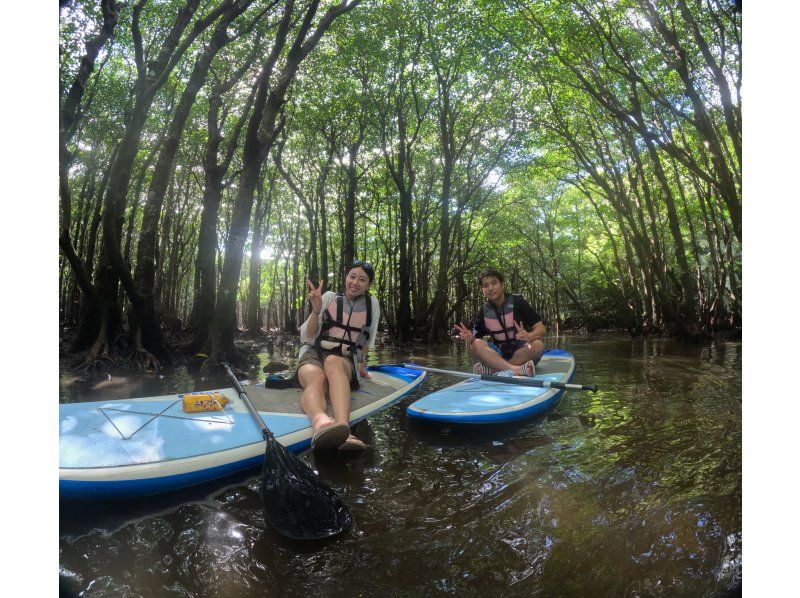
(633, 491)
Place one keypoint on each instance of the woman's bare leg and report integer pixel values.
(338, 371)
(312, 401)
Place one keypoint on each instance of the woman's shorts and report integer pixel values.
(311, 357)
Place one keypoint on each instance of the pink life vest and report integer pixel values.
(500, 323)
(346, 331)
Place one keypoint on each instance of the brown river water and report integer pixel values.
(633, 491)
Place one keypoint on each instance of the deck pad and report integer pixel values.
(287, 400)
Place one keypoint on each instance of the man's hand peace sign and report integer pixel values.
(464, 333)
(521, 333)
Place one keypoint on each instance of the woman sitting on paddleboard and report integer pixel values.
(336, 337)
(514, 328)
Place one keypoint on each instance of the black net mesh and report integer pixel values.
(297, 503)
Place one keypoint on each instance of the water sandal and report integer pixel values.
(481, 369)
(330, 435)
(352, 444)
(528, 369)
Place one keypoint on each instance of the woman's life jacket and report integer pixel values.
(500, 322)
(348, 332)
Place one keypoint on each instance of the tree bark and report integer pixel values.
(69, 117)
(261, 135)
(402, 100)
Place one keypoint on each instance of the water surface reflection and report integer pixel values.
(635, 490)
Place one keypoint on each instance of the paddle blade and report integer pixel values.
(296, 502)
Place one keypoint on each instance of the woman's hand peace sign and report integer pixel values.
(315, 296)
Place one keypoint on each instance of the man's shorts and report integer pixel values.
(507, 350)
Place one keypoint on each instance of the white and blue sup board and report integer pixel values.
(476, 401)
(138, 447)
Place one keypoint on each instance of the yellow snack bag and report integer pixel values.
(204, 401)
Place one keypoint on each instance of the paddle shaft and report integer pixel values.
(246, 400)
(297, 503)
(507, 380)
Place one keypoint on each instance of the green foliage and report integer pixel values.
(563, 116)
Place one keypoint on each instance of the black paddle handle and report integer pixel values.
(536, 383)
(246, 400)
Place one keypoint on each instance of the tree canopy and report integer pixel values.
(216, 153)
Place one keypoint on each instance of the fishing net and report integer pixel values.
(296, 502)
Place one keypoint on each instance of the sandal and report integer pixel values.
(527, 369)
(330, 435)
(481, 369)
(352, 444)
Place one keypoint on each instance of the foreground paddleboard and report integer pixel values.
(476, 401)
(139, 447)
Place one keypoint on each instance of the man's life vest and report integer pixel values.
(352, 333)
(500, 323)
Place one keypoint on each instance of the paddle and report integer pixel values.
(507, 380)
(296, 502)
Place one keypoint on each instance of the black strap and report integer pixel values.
(328, 323)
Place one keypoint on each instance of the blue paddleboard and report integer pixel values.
(137, 447)
(476, 401)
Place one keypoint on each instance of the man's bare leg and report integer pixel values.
(532, 351)
(488, 356)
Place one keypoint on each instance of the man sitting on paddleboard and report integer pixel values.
(336, 337)
(514, 328)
